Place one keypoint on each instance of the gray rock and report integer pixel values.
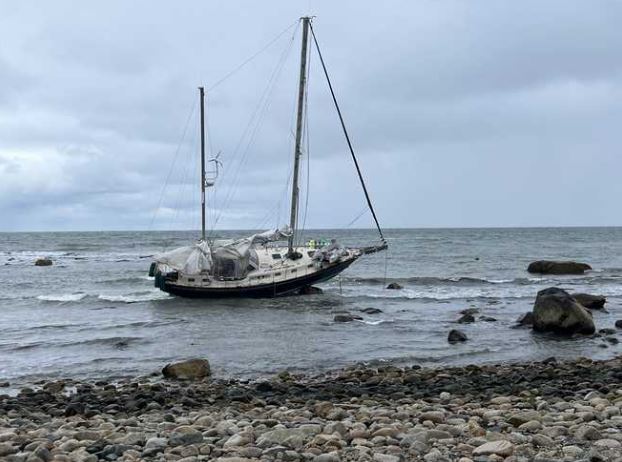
(593, 302)
(466, 318)
(456, 335)
(185, 435)
(395, 286)
(346, 318)
(525, 319)
(556, 311)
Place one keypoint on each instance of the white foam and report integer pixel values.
(373, 323)
(135, 297)
(61, 297)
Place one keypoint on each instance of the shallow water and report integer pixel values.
(95, 313)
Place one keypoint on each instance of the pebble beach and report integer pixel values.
(535, 411)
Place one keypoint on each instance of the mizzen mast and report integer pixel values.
(299, 127)
(202, 96)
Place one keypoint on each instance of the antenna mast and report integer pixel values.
(202, 96)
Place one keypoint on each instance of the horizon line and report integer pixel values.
(398, 228)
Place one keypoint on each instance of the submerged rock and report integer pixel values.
(487, 319)
(470, 311)
(191, 369)
(45, 261)
(347, 317)
(558, 267)
(395, 285)
(466, 318)
(593, 302)
(371, 310)
(556, 311)
(310, 290)
(456, 335)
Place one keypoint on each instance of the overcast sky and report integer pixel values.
(462, 113)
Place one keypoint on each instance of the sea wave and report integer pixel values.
(62, 297)
(135, 297)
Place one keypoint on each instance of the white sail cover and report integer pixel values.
(226, 258)
(191, 259)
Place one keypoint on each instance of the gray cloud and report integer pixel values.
(463, 114)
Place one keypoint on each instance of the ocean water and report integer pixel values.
(95, 312)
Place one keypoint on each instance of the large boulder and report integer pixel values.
(593, 302)
(556, 311)
(558, 267)
(45, 261)
(192, 369)
(456, 336)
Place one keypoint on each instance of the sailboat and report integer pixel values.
(258, 266)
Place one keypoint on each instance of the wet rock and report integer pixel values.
(192, 369)
(487, 319)
(558, 267)
(456, 335)
(607, 331)
(74, 409)
(556, 311)
(310, 290)
(593, 302)
(45, 261)
(618, 324)
(371, 310)
(395, 286)
(5, 384)
(346, 318)
(470, 311)
(525, 319)
(466, 318)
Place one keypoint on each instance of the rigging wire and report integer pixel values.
(170, 172)
(253, 126)
(306, 134)
(249, 59)
(345, 132)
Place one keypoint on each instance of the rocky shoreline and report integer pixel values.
(544, 411)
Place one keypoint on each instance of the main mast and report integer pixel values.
(202, 96)
(299, 126)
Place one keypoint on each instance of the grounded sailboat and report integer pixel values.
(257, 266)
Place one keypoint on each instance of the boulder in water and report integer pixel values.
(45, 261)
(466, 318)
(593, 302)
(371, 310)
(192, 369)
(395, 286)
(346, 317)
(470, 311)
(556, 311)
(456, 336)
(558, 267)
(310, 290)
(487, 319)
(618, 324)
